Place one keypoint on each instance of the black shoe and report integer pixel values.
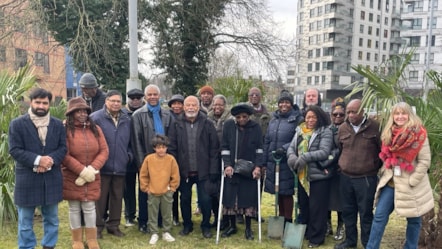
(99, 232)
(240, 218)
(143, 229)
(249, 234)
(186, 231)
(229, 231)
(224, 225)
(340, 231)
(313, 245)
(207, 234)
(115, 232)
(344, 245)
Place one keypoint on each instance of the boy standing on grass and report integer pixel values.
(159, 178)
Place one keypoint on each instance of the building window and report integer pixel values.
(384, 46)
(316, 80)
(378, 19)
(318, 52)
(361, 28)
(413, 75)
(351, 12)
(376, 57)
(309, 67)
(309, 80)
(415, 41)
(386, 21)
(433, 24)
(317, 66)
(370, 17)
(310, 54)
(433, 40)
(363, 2)
(21, 58)
(319, 10)
(368, 56)
(385, 33)
(415, 58)
(323, 79)
(361, 42)
(383, 58)
(371, 4)
(291, 72)
(310, 40)
(417, 23)
(369, 43)
(329, 51)
(362, 15)
(318, 25)
(376, 44)
(42, 60)
(370, 30)
(360, 55)
(312, 13)
(431, 58)
(311, 26)
(377, 31)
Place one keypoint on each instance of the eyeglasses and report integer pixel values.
(338, 115)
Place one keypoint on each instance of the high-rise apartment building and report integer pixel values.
(415, 33)
(334, 35)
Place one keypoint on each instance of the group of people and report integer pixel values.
(93, 158)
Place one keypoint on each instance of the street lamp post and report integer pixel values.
(133, 81)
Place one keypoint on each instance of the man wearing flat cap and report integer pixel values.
(206, 93)
(94, 97)
(135, 100)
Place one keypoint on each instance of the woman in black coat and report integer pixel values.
(240, 192)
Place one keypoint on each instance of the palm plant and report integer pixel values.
(12, 89)
(382, 91)
(234, 88)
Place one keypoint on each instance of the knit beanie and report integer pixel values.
(208, 89)
(285, 95)
(88, 80)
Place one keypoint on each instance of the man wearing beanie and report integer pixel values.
(206, 93)
(94, 97)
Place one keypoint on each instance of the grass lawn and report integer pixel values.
(393, 236)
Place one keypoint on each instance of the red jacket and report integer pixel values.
(83, 149)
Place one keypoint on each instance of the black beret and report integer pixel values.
(241, 108)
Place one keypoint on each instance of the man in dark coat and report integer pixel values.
(116, 126)
(196, 148)
(37, 142)
(148, 121)
(90, 92)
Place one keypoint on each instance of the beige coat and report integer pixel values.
(413, 195)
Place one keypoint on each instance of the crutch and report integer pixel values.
(259, 209)
(220, 205)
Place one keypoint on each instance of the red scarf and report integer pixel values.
(404, 147)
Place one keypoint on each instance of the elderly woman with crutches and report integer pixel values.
(242, 155)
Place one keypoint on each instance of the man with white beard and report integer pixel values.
(196, 149)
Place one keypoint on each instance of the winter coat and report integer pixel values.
(207, 142)
(97, 102)
(83, 149)
(132, 167)
(240, 189)
(280, 132)
(31, 188)
(118, 141)
(360, 151)
(413, 195)
(219, 123)
(143, 132)
(319, 148)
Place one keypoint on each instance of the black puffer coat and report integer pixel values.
(280, 132)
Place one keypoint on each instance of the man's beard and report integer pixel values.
(191, 115)
(39, 112)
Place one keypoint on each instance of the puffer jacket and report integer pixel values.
(118, 141)
(83, 149)
(281, 129)
(413, 195)
(319, 148)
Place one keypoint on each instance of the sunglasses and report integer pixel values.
(135, 97)
(338, 115)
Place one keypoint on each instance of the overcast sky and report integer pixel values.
(284, 11)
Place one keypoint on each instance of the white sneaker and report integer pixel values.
(167, 237)
(154, 239)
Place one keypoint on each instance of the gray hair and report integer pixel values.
(152, 86)
(220, 96)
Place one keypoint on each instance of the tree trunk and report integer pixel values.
(431, 232)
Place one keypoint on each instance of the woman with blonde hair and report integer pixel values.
(404, 185)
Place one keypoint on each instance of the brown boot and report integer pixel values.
(91, 238)
(77, 238)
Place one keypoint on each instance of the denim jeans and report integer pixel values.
(384, 208)
(204, 202)
(26, 235)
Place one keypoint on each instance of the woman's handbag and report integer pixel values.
(244, 168)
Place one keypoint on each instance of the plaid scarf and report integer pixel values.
(404, 147)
